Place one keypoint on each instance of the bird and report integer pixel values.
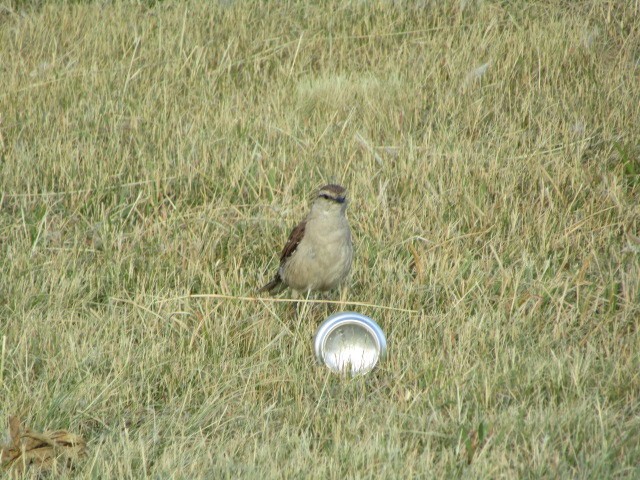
(318, 254)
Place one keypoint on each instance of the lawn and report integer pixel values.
(155, 155)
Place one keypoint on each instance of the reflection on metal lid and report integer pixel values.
(349, 342)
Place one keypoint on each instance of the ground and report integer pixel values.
(155, 155)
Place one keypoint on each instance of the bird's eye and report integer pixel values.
(325, 196)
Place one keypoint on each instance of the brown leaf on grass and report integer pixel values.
(416, 263)
(45, 451)
(476, 441)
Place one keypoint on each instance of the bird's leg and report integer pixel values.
(300, 307)
(306, 306)
(344, 295)
(295, 305)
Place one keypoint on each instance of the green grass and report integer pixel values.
(152, 151)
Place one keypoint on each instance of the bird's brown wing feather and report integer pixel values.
(292, 243)
(294, 240)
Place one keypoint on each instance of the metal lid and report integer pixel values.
(349, 342)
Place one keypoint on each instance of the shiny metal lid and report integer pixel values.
(349, 342)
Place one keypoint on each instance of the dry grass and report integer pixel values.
(151, 152)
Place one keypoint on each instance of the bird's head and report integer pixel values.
(331, 199)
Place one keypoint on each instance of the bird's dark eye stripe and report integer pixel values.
(328, 197)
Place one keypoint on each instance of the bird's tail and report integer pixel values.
(274, 285)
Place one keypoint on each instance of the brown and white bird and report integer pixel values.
(319, 252)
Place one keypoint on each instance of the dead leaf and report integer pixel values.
(416, 263)
(45, 451)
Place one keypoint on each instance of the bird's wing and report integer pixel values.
(294, 240)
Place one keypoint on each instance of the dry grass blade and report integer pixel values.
(286, 300)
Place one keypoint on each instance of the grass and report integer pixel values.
(153, 153)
